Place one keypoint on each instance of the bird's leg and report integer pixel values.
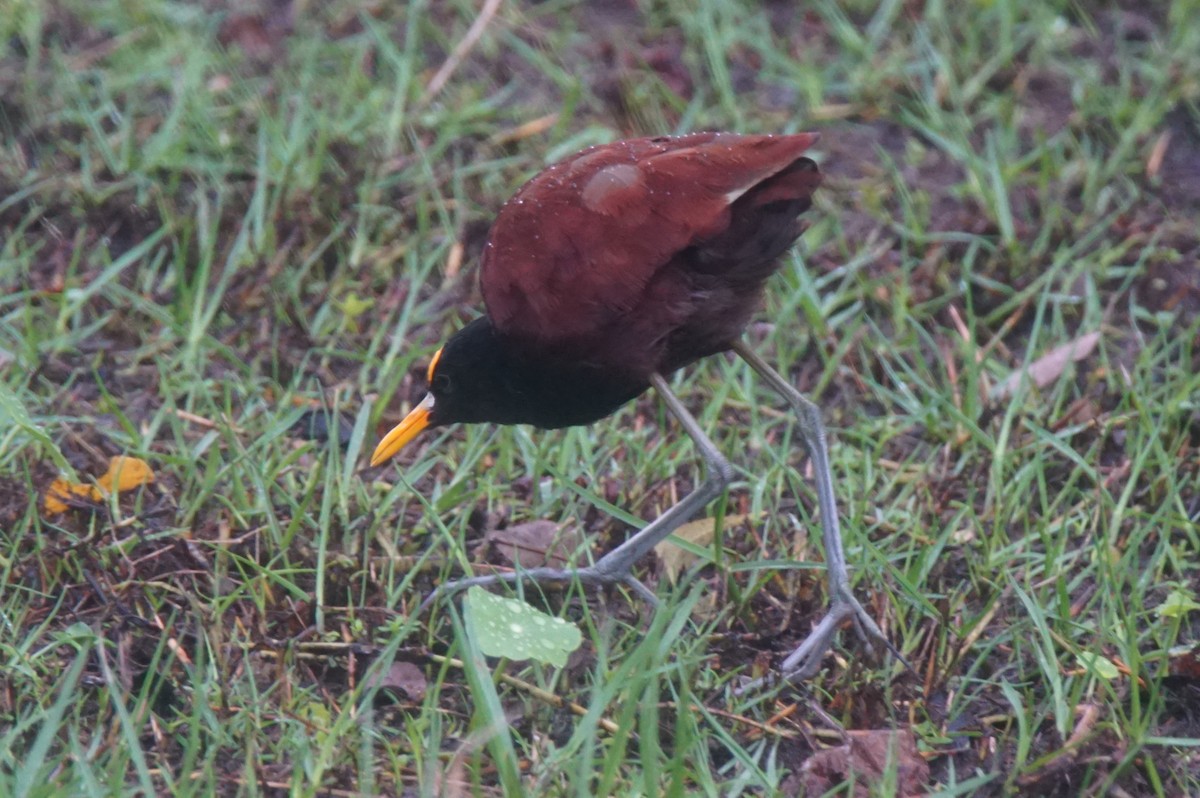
(617, 564)
(806, 659)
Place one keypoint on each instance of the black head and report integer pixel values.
(480, 376)
(475, 378)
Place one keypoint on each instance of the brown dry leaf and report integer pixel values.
(531, 545)
(868, 755)
(1184, 663)
(123, 474)
(1049, 367)
(404, 677)
(1082, 411)
(249, 33)
(259, 35)
(676, 559)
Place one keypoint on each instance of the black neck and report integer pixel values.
(496, 379)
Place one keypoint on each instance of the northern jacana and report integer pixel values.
(610, 270)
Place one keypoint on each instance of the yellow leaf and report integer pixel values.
(700, 532)
(124, 473)
(59, 493)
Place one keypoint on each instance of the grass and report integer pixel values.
(218, 228)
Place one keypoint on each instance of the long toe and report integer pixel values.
(535, 575)
(590, 576)
(806, 659)
(868, 631)
(638, 587)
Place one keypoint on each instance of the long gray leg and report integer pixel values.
(615, 566)
(806, 659)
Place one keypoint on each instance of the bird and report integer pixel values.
(604, 274)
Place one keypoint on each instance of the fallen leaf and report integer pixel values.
(1178, 604)
(676, 559)
(531, 545)
(868, 755)
(1049, 367)
(247, 32)
(258, 35)
(963, 536)
(1080, 412)
(404, 677)
(123, 474)
(60, 493)
(1098, 665)
(507, 627)
(323, 426)
(1184, 663)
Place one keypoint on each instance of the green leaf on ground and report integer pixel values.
(1178, 604)
(505, 627)
(1098, 665)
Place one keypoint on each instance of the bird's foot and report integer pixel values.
(591, 576)
(805, 661)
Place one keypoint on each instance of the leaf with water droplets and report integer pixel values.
(505, 627)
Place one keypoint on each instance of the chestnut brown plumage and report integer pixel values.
(608, 271)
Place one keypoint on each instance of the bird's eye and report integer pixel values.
(442, 384)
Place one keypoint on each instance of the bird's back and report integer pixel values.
(643, 255)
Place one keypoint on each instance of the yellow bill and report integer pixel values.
(403, 432)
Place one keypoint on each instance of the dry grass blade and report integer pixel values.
(460, 51)
(1049, 367)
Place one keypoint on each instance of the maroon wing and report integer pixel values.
(583, 243)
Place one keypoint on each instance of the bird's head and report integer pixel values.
(470, 379)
